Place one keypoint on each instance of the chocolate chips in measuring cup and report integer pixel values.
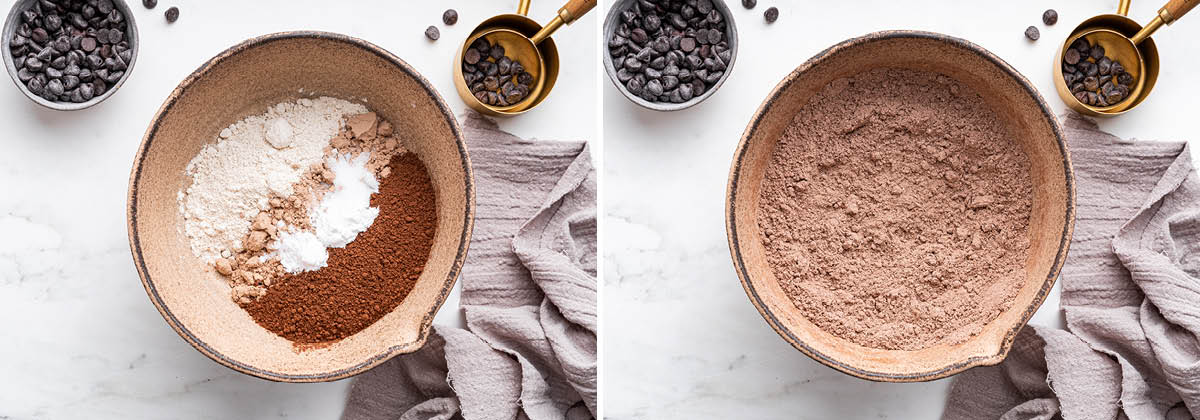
(1094, 78)
(494, 78)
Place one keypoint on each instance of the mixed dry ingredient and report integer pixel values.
(895, 210)
(298, 207)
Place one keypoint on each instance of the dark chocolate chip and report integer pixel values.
(1050, 17)
(450, 16)
(771, 15)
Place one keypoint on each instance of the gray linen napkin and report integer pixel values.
(1130, 291)
(528, 294)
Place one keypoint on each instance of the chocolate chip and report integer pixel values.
(654, 87)
(1096, 52)
(1032, 33)
(1049, 17)
(471, 56)
(504, 65)
(432, 33)
(1125, 79)
(171, 14)
(771, 14)
(749, 4)
(55, 87)
(1071, 56)
(496, 52)
(450, 16)
(149, 4)
(86, 92)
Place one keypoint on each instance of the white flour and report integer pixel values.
(253, 159)
(343, 213)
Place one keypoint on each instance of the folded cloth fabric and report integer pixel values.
(528, 295)
(1130, 292)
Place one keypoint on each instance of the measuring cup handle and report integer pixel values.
(577, 8)
(1175, 9)
(523, 8)
(1123, 8)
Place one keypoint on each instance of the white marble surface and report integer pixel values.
(680, 338)
(79, 337)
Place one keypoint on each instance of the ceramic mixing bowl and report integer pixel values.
(245, 80)
(1051, 222)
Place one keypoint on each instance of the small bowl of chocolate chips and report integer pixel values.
(69, 54)
(669, 55)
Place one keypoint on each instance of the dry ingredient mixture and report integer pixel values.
(370, 276)
(297, 209)
(895, 211)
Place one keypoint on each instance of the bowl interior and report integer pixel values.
(1032, 125)
(244, 81)
(10, 26)
(610, 26)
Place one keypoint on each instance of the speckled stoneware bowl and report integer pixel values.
(610, 26)
(245, 80)
(10, 26)
(1032, 124)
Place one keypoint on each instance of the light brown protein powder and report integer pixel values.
(895, 210)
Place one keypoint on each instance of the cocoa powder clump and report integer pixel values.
(895, 210)
(368, 278)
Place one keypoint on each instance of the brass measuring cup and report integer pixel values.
(1126, 42)
(526, 42)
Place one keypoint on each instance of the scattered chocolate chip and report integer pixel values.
(1032, 33)
(149, 4)
(450, 16)
(432, 33)
(749, 4)
(771, 14)
(172, 14)
(1049, 17)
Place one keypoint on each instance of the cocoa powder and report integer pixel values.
(895, 211)
(368, 278)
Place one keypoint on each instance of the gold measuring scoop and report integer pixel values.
(526, 42)
(1126, 42)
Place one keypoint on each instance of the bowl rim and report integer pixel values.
(6, 50)
(468, 220)
(955, 366)
(610, 25)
